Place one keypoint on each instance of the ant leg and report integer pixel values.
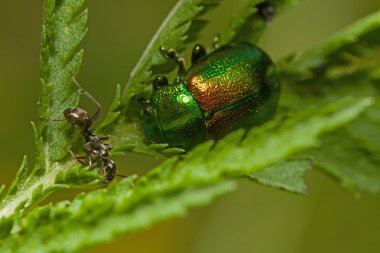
(172, 54)
(108, 147)
(104, 138)
(76, 157)
(90, 152)
(89, 158)
(160, 81)
(89, 96)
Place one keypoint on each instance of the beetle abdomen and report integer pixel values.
(226, 76)
(234, 84)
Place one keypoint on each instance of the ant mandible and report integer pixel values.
(94, 146)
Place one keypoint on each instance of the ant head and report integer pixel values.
(77, 117)
(69, 113)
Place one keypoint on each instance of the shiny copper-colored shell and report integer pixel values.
(234, 84)
(225, 76)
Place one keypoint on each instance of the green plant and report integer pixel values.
(327, 76)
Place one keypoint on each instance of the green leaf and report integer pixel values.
(288, 175)
(340, 156)
(352, 166)
(344, 65)
(195, 178)
(174, 32)
(177, 184)
(366, 129)
(114, 111)
(350, 50)
(2, 190)
(64, 26)
(78, 176)
(248, 25)
(19, 180)
(81, 225)
(171, 34)
(5, 227)
(40, 153)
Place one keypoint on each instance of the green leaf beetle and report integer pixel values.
(234, 86)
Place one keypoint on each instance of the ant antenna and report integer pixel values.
(89, 96)
(51, 120)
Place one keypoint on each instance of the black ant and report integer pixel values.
(94, 146)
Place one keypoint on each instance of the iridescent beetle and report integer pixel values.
(235, 86)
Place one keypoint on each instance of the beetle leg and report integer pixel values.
(143, 101)
(147, 109)
(160, 81)
(266, 10)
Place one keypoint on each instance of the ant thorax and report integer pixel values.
(96, 147)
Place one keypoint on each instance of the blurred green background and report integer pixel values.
(252, 219)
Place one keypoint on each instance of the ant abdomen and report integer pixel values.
(109, 170)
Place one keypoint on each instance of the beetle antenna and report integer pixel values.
(172, 54)
(215, 42)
